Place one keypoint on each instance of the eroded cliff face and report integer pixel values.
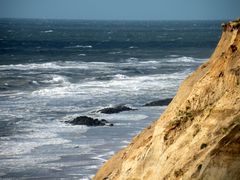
(198, 136)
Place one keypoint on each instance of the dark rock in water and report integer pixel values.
(116, 109)
(104, 121)
(163, 102)
(88, 121)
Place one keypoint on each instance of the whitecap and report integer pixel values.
(173, 56)
(11, 148)
(56, 92)
(38, 135)
(35, 83)
(120, 76)
(83, 46)
(149, 62)
(137, 85)
(48, 65)
(92, 167)
(27, 161)
(184, 59)
(125, 116)
(56, 79)
(30, 66)
(47, 31)
(126, 142)
(104, 157)
(81, 54)
(133, 47)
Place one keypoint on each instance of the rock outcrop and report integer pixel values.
(88, 121)
(162, 102)
(198, 136)
(116, 109)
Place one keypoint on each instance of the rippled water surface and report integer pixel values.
(52, 71)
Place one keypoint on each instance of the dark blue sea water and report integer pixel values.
(54, 70)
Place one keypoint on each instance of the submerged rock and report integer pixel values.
(88, 121)
(162, 102)
(116, 109)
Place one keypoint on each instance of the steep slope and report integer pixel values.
(198, 136)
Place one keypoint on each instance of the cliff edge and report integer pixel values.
(198, 135)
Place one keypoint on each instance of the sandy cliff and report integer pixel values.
(198, 136)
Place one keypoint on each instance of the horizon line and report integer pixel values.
(82, 19)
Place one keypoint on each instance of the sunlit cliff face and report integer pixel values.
(198, 136)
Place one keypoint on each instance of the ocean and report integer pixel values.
(52, 71)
